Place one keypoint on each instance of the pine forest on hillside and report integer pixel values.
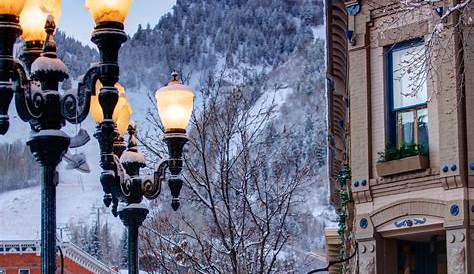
(259, 138)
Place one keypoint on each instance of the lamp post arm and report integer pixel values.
(29, 101)
(152, 188)
(75, 104)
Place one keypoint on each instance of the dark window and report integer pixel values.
(24, 271)
(407, 95)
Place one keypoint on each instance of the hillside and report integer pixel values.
(272, 49)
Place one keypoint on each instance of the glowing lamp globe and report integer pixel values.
(109, 10)
(122, 112)
(175, 106)
(34, 15)
(11, 7)
(123, 118)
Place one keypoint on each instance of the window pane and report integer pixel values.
(423, 128)
(24, 271)
(409, 79)
(406, 130)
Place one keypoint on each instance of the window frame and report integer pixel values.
(392, 137)
(24, 269)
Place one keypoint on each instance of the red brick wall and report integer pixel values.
(14, 262)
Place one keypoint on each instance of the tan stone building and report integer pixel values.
(404, 79)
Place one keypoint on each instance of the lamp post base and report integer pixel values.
(132, 217)
(48, 147)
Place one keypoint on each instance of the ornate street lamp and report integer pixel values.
(124, 184)
(35, 84)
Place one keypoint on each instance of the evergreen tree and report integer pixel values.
(94, 242)
(124, 250)
(106, 244)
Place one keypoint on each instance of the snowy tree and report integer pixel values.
(107, 245)
(95, 242)
(449, 31)
(246, 190)
(17, 166)
(124, 250)
(194, 28)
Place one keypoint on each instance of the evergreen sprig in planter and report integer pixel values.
(406, 158)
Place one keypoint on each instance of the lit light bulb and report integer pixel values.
(109, 10)
(12, 7)
(122, 112)
(175, 106)
(123, 118)
(34, 15)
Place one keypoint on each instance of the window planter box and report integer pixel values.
(404, 165)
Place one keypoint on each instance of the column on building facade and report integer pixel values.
(458, 238)
(375, 253)
(457, 246)
(445, 63)
(359, 93)
(468, 53)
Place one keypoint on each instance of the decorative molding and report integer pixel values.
(454, 210)
(337, 69)
(403, 33)
(405, 183)
(451, 181)
(364, 223)
(399, 209)
(410, 222)
(19, 247)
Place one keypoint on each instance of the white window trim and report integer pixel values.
(23, 269)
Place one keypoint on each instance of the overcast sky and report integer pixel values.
(77, 22)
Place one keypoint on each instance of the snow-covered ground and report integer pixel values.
(76, 201)
(78, 195)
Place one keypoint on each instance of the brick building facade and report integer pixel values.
(411, 214)
(23, 257)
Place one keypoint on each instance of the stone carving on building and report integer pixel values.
(457, 260)
(369, 267)
(410, 222)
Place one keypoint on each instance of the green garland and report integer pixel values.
(344, 197)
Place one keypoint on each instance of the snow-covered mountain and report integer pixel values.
(272, 47)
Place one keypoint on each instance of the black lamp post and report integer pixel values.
(134, 188)
(38, 101)
(121, 178)
(35, 82)
(35, 85)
